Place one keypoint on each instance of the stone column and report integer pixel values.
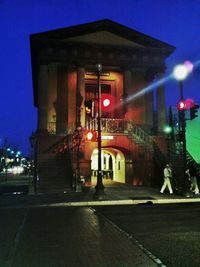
(61, 103)
(149, 109)
(160, 104)
(52, 95)
(42, 98)
(149, 104)
(126, 88)
(80, 96)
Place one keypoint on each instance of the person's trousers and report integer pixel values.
(166, 183)
(194, 185)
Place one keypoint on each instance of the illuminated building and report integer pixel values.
(64, 68)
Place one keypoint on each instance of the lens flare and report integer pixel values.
(183, 70)
(189, 103)
(189, 65)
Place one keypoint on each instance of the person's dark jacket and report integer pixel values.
(192, 170)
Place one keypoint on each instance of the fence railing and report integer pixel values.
(133, 130)
(109, 125)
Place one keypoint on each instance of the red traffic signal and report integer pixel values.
(91, 135)
(106, 101)
(181, 105)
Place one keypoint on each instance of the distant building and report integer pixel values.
(64, 69)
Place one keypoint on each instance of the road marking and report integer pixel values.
(18, 235)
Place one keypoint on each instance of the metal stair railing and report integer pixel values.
(134, 132)
(139, 136)
(109, 125)
(63, 143)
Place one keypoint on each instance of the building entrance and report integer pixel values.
(113, 165)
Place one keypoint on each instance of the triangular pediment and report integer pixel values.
(104, 37)
(104, 32)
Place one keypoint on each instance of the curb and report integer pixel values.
(119, 202)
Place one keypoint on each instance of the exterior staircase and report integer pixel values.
(174, 155)
(53, 174)
(140, 137)
(148, 143)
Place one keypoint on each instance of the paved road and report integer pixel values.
(65, 236)
(169, 232)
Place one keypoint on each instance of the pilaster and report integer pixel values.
(52, 96)
(149, 102)
(61, 103)
(126, 88)
(80, 96)
(42, 98)
(160, 104)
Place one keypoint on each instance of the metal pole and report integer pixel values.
(183, 138)
(35, 167)
(78, 140)
(99, 193)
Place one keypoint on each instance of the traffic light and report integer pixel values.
(179, 136)
(194, 111)
(91, 135)
(106, 101)
(88, 107)
(181, 105)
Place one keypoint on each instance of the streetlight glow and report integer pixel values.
(167, 129)
(180, 72)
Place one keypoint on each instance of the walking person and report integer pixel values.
(167, 182)
(192, 171)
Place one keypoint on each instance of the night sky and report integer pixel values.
(175, 22)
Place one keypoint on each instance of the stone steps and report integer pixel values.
(52, 172)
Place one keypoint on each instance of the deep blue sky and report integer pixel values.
(175, 22)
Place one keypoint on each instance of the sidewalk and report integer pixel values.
(115, 194)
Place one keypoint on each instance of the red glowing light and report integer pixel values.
(89, 136)
(181, 105)
(189, 103)
(106, 100)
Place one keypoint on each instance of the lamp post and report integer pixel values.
(180, 73)
(77, 137)
(33, 141)
(99, 188)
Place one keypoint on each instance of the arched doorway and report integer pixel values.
(113, 165)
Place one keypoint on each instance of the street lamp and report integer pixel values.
(180, 73)
(33, 141)
(99, 193)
